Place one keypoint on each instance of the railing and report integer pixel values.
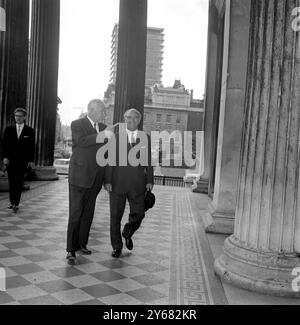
(169, 181)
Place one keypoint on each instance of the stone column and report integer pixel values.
(201, 185)
(13, 59)
(43, 79)
(13, 64)
(131, 66)
(265, 247)
(220, 216)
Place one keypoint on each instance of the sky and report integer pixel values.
(85, 45)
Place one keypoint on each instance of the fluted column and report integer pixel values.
(13, 59)
(221, 211)
(131, 66)
(201, 185)
(43, 78)
(264, 249)
(13, 64)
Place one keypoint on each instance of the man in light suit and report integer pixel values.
(18, 148)
(85, 178)
(128, 183)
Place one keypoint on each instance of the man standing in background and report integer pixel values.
(18, 154)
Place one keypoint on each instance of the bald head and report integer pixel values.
(96, 110)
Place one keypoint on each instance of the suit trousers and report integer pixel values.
(136, 215)
(16, 173)
(82, 203)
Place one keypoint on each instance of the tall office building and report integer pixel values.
(154, 63)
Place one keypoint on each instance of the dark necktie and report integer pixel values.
(95, 127)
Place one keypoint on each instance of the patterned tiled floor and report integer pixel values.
(170, 263)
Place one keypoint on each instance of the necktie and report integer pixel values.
(95, 127)
(132, 139)
(19, 130)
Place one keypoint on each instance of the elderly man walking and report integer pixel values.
(128, 183)
(85, 178)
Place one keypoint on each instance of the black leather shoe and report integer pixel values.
(116, 253)
(128, 243)
(15, 209)
(85, 251)
(71, 257)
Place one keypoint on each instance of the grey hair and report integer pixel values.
(133, 110)
(95, 101)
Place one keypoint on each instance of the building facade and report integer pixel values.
(154, 56)
(165, 109)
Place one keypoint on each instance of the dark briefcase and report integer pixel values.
(149, 200)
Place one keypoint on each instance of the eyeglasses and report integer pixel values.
(131, 117)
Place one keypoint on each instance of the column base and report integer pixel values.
(4, 187)
(260, 271)
(45, 174)
(217, 222)
(200, 186)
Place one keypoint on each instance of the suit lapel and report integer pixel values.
(16, 132)
(23, 131)
(88, 126)
(102, 127)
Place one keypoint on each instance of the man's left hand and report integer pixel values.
(149, 187)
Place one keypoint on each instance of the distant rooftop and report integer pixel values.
(158, 29)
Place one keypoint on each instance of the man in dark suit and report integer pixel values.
(129, 182)
(18, 154)
(85, 178)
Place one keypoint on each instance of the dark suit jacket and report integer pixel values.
(125, 178)
(18, 150)
(83, 165)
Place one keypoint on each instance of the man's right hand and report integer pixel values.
(108, 187)
(110, 130)
(6, 161)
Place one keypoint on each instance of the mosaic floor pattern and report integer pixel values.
(170, 263)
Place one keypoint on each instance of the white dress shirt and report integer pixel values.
(19, 128)
(132, 135)
(94, 125)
